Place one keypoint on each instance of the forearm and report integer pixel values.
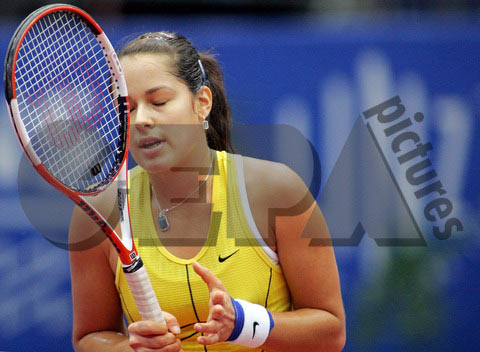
(306, 330)
(103, 341)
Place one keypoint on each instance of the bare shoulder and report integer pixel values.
(273, 184)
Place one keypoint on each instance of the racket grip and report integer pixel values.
(144, 295)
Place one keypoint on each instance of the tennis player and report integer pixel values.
(228, 275)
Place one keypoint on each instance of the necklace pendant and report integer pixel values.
(163, 221)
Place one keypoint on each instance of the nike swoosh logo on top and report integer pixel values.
(222, 259)
(254, 327)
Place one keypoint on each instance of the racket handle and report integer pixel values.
(144, 295)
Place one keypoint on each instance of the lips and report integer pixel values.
(150, 142)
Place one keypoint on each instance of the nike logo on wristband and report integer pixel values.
(222, 259)
(254, 327)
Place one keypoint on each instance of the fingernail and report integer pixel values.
(176, 329)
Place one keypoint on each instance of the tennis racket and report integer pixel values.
(68, 104)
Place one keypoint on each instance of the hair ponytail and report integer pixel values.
(219, 136)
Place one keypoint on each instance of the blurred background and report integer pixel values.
(316, 66)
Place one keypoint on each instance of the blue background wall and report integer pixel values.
(317, 76)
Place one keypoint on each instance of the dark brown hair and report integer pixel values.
(196, 70)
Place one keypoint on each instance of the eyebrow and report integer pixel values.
(154, 89)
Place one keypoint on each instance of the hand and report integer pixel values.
(221, 318)
(147, 335)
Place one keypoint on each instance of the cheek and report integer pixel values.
(185, 134)
(182, 111)
(132, 138)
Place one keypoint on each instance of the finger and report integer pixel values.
(208, 339)
(172, 323)
(208, 277)
(170, 348)
(147, 327)
(176, 347)
(211, 327)
(219, 297)
(166, 349)
(217, 312)
(153, 341)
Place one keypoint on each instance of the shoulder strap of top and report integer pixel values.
(242, 189)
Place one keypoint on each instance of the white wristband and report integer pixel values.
(253, 324)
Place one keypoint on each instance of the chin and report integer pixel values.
(155, 168)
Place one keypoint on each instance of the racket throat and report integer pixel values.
(133, 267)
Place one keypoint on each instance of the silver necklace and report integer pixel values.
(162, 216)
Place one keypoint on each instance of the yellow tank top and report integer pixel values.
(245, 264)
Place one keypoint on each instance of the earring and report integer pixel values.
(205, 123)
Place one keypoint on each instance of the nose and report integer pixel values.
(142, 118)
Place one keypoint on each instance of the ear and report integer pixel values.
(203, 102)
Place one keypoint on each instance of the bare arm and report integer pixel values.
(97, 324)
(97, 313)
(317, 322)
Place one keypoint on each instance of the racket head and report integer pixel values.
(67, 99)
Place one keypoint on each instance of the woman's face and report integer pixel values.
(165, 116)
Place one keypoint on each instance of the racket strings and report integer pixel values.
(67, 101)
(59, 57)
(45, 51)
